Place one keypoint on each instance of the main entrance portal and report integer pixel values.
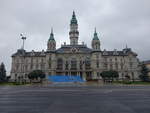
(74, 73)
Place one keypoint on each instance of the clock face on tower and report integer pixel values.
(74, 50)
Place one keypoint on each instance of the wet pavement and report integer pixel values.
(74, 99)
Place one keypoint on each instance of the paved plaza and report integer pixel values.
(74, 99)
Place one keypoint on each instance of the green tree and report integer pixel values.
(144, 74)
(109, 75)
(2, 72)
(36, 74)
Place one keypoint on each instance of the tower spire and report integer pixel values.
(73, 34)
(95, 35)
(51, 35)
(73, 20)
(51, 44)
(95, 42)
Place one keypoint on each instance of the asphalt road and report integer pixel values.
(74, 99)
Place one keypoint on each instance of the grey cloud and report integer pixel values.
(118, 22)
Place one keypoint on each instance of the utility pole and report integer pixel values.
(23, 63)
(23, 38)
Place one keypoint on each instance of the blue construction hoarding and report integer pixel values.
(65, 78)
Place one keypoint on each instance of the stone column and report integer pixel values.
(78, 73)
(84, 76)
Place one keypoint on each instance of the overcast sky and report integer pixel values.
(118, 22)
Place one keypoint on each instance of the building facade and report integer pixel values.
(75, 59)
(147, 64)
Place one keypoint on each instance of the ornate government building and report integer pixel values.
(75, 59)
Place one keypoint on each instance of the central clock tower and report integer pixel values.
(74, 33)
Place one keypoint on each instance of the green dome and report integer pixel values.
(73, 20)
(95, 35)
(51, 38)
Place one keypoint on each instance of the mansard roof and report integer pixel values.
(74, 48)
(124, 52)
(112, 53)
(22, 52)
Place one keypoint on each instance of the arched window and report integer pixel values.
(31, 60)
(116, 66)
(111, 67)
(81, 64)
(87, 63)
(73, 64)
(42, 60)
(131, 64)
(121, 65)
(37, 60)
(66, 65)
(97, 64)
(60, 64)
(49, 62)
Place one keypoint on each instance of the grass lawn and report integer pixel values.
(11, 83)
(132, 83)
(88, 83)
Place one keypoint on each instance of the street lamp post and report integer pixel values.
(23, 38)
(23, 66)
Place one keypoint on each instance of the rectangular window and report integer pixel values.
(98, 74)
(97, 63)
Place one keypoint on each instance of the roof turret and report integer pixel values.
(51, 38)
(73, 20)
(95, 35)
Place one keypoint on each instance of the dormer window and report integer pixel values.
(42, 53)
(105, 52)
(32, 53)
(115, 52)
